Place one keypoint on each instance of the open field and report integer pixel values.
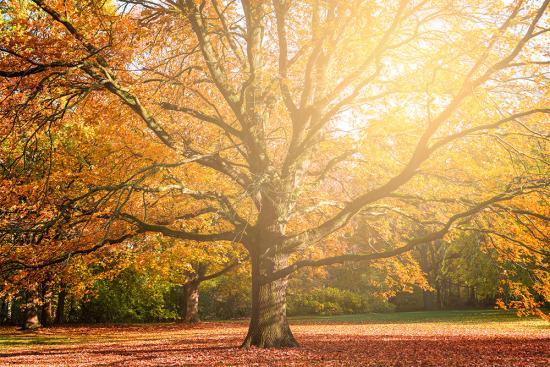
(465, 338)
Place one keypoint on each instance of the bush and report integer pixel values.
(130, 297)
(334, 301)
(226, 297)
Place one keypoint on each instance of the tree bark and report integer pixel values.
(191, 293)
(31, 319)
(46, 309)
(439, 296)
(472, 299)
(3, 311)
(46, 313)
(268, 326)
(9, 312)
(60, 309)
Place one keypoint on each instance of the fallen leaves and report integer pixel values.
(217, 344)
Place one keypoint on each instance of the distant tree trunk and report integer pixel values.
(73, 314)
(447, 294)
(31, 318)
(46, 310)
(428, 296)
(191, 299)
(9, 312)
(3, 311)
(268, 324)
(46, 314)
(472, 299)
(60, 309)
(439, 296)
(429, 300)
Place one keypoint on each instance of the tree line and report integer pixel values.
(457, 278)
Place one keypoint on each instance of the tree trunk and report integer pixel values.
(429, 300)
(47, 312)
(46, 309)
(3, 311)
(31, 319)
(9, 312)
(472, 299)
(439, 297)
(60, 309)
(268, 324)
(191, 296)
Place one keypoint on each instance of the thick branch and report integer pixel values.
(411, 244)
(15, 264)
(173, 233)
(203, 117)
(221, 272)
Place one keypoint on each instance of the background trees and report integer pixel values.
(312, 133)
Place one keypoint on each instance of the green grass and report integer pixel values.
(448, 317)
(19, 339)
(30, 339)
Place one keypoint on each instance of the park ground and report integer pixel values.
(457, 338)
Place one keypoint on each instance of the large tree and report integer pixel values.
(284, 125)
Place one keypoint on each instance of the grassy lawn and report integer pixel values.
(14, 339)
(7, 340)
(447, 317)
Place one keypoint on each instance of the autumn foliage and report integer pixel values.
(281, 136)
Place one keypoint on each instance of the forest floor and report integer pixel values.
(457, 338)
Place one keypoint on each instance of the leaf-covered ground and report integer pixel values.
(408, 339)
